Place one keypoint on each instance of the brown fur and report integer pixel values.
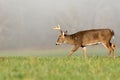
(88, 37)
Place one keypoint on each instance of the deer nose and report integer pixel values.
(57, 43)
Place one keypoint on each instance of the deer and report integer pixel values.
(87, 37)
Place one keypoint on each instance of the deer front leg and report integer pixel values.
(84, 52)
(73, 50)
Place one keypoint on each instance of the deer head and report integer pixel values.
(61, 38)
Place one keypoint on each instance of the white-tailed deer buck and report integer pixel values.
(87, 37)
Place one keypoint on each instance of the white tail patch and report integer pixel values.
(113, 37)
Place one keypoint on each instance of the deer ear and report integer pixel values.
(66, 32)
(63, 34)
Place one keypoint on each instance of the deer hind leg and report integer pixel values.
(108, 46)
(113, 48)
(73, 50)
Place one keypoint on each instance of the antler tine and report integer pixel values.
(58, 28)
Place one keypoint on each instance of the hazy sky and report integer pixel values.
(29, 22)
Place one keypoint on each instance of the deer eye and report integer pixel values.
(65, 35)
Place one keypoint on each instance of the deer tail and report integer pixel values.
(113, 34)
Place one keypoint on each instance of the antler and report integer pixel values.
(58, 28)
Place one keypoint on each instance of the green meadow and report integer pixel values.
(54, 65)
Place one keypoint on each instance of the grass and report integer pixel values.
(54, 65)
(59, 68)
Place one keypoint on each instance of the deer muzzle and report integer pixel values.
(58, 43)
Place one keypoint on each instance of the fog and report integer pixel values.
(27, 24)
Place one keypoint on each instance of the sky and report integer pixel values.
(28, 23)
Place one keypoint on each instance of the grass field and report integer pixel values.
(57, 67)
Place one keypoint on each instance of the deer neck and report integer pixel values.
(68, 39)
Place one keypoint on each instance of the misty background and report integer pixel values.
(27, 24)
